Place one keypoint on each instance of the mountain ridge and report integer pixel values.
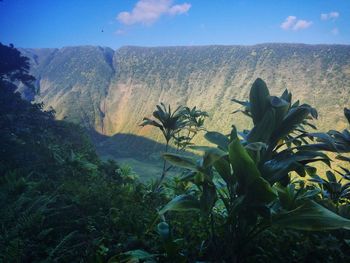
(112, 90)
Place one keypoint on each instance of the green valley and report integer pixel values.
(110, 91)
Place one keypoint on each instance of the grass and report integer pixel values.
(145, 169)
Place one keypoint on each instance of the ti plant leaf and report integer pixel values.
(181, 203)
(217, 138)
(294, 118)
(258, 99)
(247, 174)
(264, 128)
(311, 217)
(211, 155)
(181, 161)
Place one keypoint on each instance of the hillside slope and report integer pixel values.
(111, 91)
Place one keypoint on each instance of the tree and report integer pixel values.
(14, 66)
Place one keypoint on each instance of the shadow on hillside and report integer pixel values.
(123, 145)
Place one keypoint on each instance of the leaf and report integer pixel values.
(325, 138)
(211, 156)
(217, 138)
(311, 217)
(290, 122)
(343, 158)
(181, 161)
(331, 177)
(132, 256)
(208, 198)
(247, 174)
(181, 203)
(263, 129)
(224, 169)
(243, 103)
(281, 108)
(147, 121)
(287, 96)
(258, 99)
(284, 162)
(256, 146)
(347, 114)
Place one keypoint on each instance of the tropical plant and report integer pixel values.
(336, 184)
(243, 187)
(173, 124)
(195, 123)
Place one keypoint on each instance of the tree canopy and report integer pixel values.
(14, 66)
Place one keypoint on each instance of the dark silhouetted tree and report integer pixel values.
(14, 66)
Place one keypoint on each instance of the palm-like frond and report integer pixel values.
(168, 121)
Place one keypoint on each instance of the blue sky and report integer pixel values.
(115, 23)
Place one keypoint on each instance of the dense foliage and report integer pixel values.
(58, 201)
(253, 196)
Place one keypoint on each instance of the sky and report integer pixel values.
(116, 23)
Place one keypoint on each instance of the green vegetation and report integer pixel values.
(109, 91)
(180, 126)
(59, 202)
(251, 196)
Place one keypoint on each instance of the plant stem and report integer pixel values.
(164, 166)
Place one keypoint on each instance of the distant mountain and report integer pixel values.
(111, 91)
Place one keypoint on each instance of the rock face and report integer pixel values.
(111, 91)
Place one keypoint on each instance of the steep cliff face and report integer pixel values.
(73, 81)
(113, 90)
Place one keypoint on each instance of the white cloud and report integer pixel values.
(335, 31)
(301, 24)
(289, 22)
(332, 15)
(292, 23)
(149, 11)
(179, 9)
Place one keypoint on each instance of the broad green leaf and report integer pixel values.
(331, 177)
(258, 99)
(208, 198)
(260, 191)
(181, 161)
(311, 217)
(291, 121)
(287, 96)
(286, 161)
(181, 203)
(223, 167)
(217, 138)
(324, 138)
(281, 108)
(243, 166)
(247, 174)
(211, 154)
(263, 129)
